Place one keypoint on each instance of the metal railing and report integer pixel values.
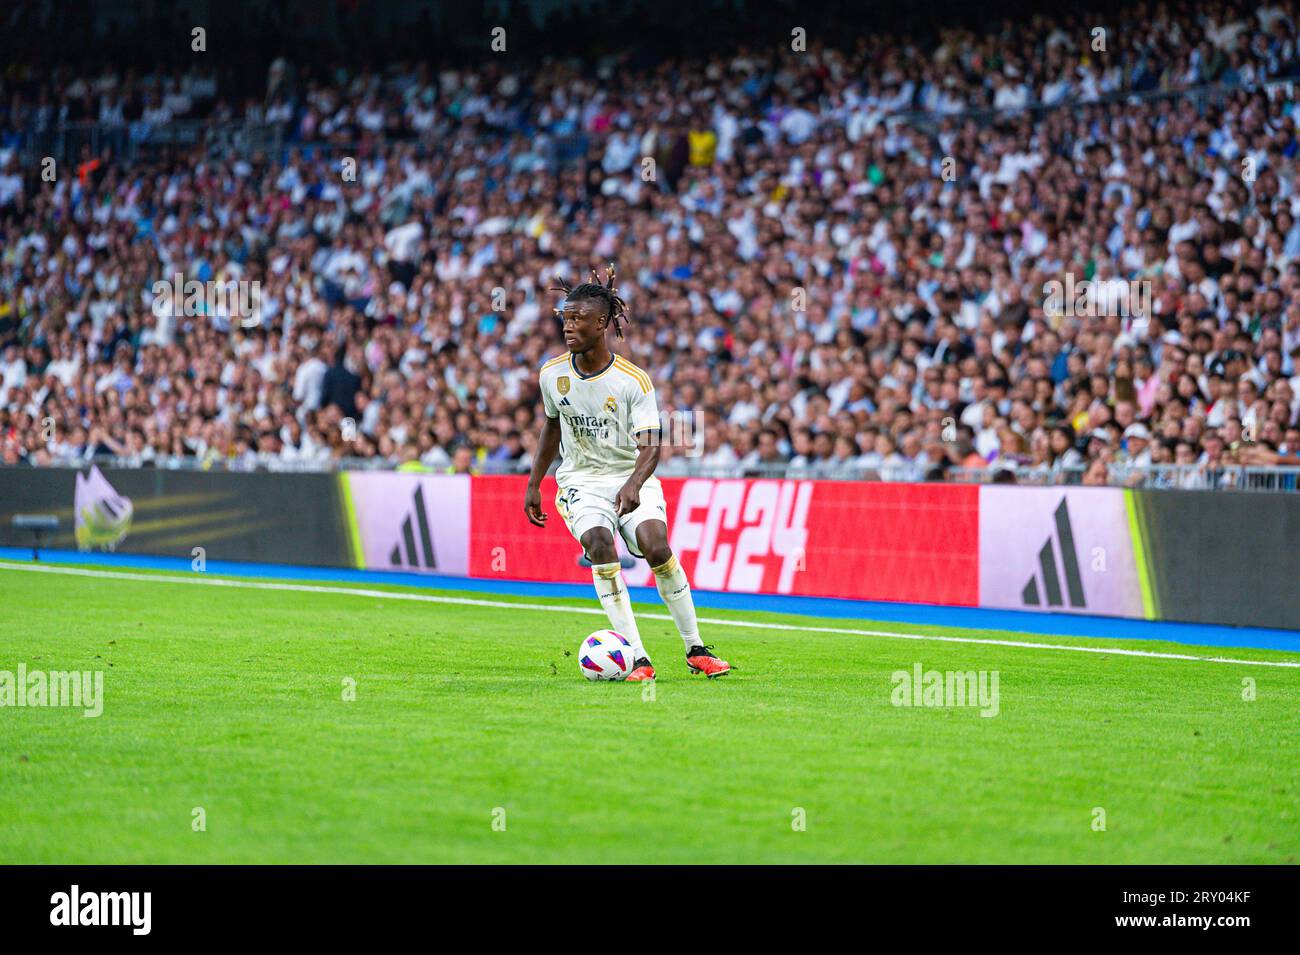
(1232, 477)
(1199, 96)
(138, 140)
(134, 141)
(1186, 477)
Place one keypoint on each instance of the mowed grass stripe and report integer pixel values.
(229, 699)
(204, 580)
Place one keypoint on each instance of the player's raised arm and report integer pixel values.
(547, 448)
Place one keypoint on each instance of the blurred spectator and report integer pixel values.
(804, 276)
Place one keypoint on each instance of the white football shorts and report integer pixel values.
(591, 504)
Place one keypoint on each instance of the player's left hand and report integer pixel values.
(533, 506)
(628, 500)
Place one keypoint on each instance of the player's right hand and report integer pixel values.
(533, 506)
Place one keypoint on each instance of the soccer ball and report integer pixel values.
(605, 655)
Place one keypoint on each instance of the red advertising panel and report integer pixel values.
(906, 542)
(870, 541)
(502, 542)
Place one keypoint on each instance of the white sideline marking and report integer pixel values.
(550, 608)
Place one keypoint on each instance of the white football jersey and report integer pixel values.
(600, 416)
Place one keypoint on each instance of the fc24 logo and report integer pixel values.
(772, 518)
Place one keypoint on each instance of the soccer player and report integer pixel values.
(601, 415)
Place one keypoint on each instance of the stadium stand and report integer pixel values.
(899, 257)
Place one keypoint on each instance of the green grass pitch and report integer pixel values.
(231, 699)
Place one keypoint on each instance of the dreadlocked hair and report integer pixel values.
(607, 292)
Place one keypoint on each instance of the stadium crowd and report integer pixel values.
(838, 260)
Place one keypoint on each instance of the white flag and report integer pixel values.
(102, 515)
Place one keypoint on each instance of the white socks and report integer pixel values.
(676, 592)
(673, 588)
(608, 579)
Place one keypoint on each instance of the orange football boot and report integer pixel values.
(641, 670)
(700, 660)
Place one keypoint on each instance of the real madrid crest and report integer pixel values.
(562, 384)
(611, 405)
